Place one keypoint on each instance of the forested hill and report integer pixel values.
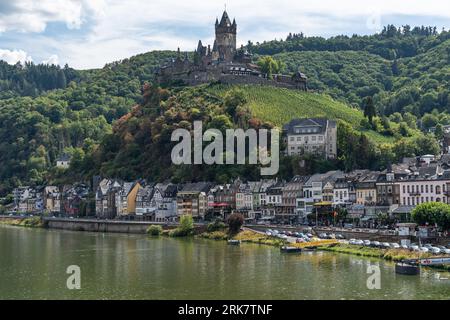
(391, 43)
(48, 110)
(32, 80)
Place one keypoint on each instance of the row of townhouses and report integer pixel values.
(68, 199)
(364, 193)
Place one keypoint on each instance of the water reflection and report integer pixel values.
(33, 265)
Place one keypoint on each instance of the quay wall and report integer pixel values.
(134, 227)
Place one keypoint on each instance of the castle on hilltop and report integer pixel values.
(223, 63)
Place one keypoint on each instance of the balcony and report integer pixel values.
(415, 194)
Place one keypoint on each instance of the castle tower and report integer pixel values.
(226, 38)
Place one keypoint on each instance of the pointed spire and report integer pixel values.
(225, 21)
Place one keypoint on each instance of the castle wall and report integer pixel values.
(235, 79)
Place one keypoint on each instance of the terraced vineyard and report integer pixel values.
(278, 106)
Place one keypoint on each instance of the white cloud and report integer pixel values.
(117, 29)
(53, 59)
(14, 56)
(33, 16)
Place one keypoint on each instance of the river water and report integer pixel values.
(33, 265)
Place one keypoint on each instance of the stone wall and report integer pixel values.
(134, 227)
(235, 79)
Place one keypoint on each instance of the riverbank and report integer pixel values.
(31, 222)
(393, 255)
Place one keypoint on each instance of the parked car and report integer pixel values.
(340, 237)
(424, 250)
(404, 246)
(309, 235)
(323, 236)
(386, 245)
(376, 244)
(444, 250)
(435, 250)
(395, 246)
(367, 243)
(359, 242)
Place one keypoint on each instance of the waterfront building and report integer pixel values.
(313, 191)
(427, 184)
(193, 200)
(366, 189)
(144, 207)
(291, 191)
(52, 199)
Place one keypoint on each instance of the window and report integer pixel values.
(292, 139)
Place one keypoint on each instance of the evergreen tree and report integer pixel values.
(369, 109)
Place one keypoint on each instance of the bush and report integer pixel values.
(216, 226)
(235, 222)
(186, 227)
(154, 230)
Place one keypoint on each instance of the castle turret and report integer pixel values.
(226, 38)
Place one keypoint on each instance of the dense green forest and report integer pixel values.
(48, 110)
(31, 79)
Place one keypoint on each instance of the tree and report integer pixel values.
(432, 213)
(186, 225)
(235, 222)
(429, 120)
(233, 99)
(439, 132)
(369, 109)
(269, 66)
(61, 81)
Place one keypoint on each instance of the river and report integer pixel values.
(33, 264)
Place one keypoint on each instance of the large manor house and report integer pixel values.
(223, 63)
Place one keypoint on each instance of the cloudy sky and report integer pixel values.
(90, 33)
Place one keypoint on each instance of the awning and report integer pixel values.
(323, 204)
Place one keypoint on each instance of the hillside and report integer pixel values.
(139, 145)
(407, 75)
